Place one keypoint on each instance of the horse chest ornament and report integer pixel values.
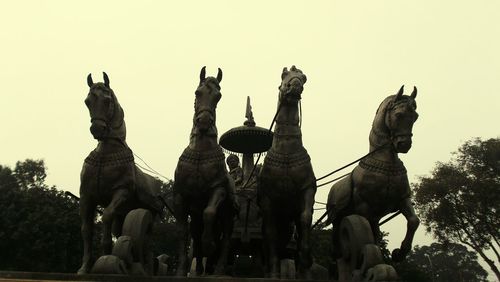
(200, 170)
(382, 167)
(285, 160)
(121, 158)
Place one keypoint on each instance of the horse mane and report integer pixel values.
(379, 120)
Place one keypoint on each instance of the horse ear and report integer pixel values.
(202, 74)
(219, 75)
(89, 80)
(414, 93)
(106, 79)
(285, 71)
(400, 93)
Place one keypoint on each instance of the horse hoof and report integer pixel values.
(84, 269)
(219, 271)
(180, 273)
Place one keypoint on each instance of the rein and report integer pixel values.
(260, 154)
(111, 114)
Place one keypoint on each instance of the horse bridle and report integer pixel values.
(205, 109)
(299, 96)
(110, 114)
(387, 120)
(391, 106)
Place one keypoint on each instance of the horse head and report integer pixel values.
(292, 84)
(207, 96)
(106, 114)
(396, 119)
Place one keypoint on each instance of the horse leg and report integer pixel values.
(87, 214)
(270, 233)
(304, 231)
(181, 217)
(118, 225)
(209, 218)
(412, 222)
(109, 215)
(227, 232)
(196, 226)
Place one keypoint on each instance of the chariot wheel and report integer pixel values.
(381, 272)
(355, 233)
(123, 249)
(138, 226)
(109, 265)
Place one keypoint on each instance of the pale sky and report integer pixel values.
(354, 53)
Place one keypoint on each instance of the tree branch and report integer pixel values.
(494, 250)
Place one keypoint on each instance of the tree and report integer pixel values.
(441, 262)
(322, 247)
(39, 225)
(460, 202)
(163, 237)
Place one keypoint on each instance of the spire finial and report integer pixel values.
(249, 115)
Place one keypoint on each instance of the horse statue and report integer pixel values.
(377, 186)
(287, 184)
(203, 188)
(109, 177)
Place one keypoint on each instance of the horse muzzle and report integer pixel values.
(99, 129)
(402, 143)
(295, 88)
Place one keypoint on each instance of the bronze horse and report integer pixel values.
(203, 188)
(378, 185)
(109, 177)
(287, 184)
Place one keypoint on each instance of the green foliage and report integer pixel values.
(163, 237)
(441, 262)
(30, 173)
(386, 254)
(460, 202)
(321, 245)
(164, 230)
(39, 225)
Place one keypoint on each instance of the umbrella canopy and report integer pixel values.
(247, 139)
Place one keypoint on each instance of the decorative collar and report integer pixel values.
(383, 167)
(196, 157)
(276, 159)
(119, 158)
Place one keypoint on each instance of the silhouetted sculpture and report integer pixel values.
(376, 187)
(246, 243)
(287, 184)
(203, 188)
(235, 170)
(110, 179)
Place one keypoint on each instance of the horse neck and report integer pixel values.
(287, 134)
(380, 137)
(203, 141)
(111, 145)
